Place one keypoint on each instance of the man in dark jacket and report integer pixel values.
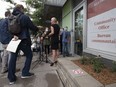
(25, 45)
(5, 39)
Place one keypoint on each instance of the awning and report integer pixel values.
(55, 2)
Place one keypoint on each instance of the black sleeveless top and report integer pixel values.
(55, 36)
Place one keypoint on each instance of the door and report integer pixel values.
(78, 26)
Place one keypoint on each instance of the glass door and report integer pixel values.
(78, 31)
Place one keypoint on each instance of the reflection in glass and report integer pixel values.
(78, 31)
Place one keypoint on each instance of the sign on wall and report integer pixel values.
(101, 25)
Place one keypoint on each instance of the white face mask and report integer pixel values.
(46, 29)
(61, 30)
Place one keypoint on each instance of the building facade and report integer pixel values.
(92, 25)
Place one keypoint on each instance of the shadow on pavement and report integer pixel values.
(52, 80)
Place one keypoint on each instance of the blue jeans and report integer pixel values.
(26, 48)
(65, 49)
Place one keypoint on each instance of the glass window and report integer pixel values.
(79, 31)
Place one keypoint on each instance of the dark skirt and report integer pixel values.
(54, 45)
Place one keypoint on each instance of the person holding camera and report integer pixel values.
(46, 42)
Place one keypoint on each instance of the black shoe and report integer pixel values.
(17, 70)
(27, 76)
(2, 72)
(51, 64)
(56, 62)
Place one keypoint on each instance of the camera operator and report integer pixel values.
(46, 41)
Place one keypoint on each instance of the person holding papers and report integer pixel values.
(24, 45)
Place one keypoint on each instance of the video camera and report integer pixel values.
(46, 34)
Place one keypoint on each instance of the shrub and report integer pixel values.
(97, 65)
(114, 66)
(91, 60)
(83, 60)
(95, 61)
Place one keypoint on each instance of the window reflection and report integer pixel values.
(79, 31)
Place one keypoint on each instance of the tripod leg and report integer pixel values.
(38, 61)
(46, 59)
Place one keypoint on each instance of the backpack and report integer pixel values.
(5, 35)
(14, 24)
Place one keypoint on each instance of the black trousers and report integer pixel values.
(47, 49)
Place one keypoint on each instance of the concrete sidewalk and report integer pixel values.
(45, 76)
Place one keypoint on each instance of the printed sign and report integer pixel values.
(101, 27)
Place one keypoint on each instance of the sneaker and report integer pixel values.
(27, 76)
(11, 83)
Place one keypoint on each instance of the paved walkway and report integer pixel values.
(45, 76)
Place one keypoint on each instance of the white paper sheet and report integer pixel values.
(13, 45)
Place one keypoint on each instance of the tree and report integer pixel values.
(37, 5)
(37, 15)
(11, 1)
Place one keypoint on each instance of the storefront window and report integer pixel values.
(101, 28)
